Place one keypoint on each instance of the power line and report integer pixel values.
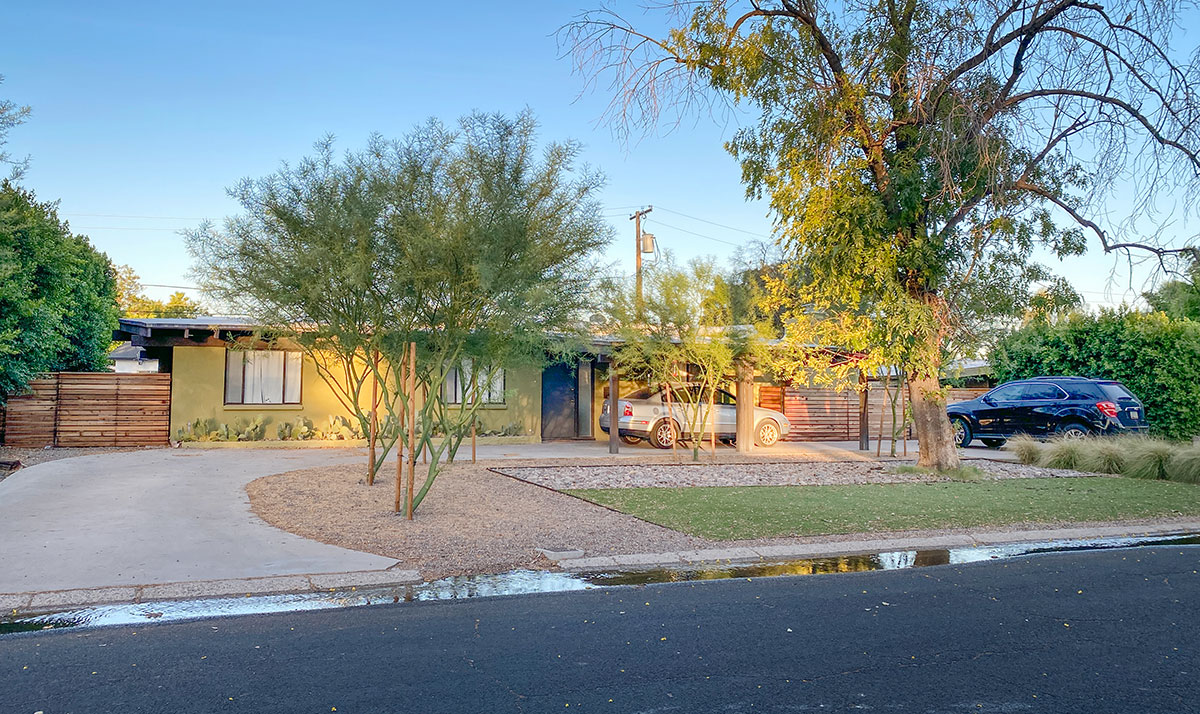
(699, 235)
(177, 287)
(122, 215)
(714, 223)
(127, 228)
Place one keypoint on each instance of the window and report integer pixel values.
(458, 386)
(1007, 393)
(262, 377)
(1041, 391)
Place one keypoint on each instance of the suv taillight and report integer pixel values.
(1108, 409)
(626, 409)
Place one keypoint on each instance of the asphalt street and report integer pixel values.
(1108, 631)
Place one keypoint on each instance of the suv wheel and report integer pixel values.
(962, 432)
(631, 440)
(665, 433)
(1072, 430)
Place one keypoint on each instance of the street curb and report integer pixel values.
(28, 603)
(804, 551)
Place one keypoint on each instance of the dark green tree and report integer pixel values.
(57, 294)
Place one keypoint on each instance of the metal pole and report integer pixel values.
(864, 413)
(412, 426)
(637, 250)
(374, 416)
(613, 417)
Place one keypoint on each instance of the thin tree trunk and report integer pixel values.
(934, 437)
(412, 427)
(712, 420)
(374, 416)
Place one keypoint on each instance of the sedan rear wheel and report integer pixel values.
(767, 433)
(665, 433)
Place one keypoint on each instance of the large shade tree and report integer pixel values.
(57, 294)
(917, 152)
(470, 241)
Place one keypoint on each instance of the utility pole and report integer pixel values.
(637, 249)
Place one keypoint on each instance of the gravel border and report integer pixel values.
(789, 473)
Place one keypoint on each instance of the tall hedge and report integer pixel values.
(57, 294)
(1157, 357)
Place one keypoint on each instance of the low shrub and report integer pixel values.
(1147, 458)
(1185, 465)
(1028, 450)
(1065, 454)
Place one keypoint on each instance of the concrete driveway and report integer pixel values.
(155, 516)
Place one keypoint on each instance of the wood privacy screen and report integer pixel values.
(828, 415)
(102, 409)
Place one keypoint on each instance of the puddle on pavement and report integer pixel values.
(520, 582)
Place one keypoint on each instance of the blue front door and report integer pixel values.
(560, 406)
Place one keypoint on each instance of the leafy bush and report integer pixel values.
(1148, 458)
(1185, 465)
(1027, 449)
(1157, 357)
(1065, 454)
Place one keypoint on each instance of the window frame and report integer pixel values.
(457, 394)
(283, 381)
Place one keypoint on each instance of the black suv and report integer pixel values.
(1047, 406)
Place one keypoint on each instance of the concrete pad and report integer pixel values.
(718, 555)
(226, 588)
(557, 555)
(371, 578)
(60, 599)
(647, 559)
(156, 516)
(595, 563)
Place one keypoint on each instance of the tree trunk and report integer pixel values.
(935, 440)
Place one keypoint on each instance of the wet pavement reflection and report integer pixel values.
(520, 582)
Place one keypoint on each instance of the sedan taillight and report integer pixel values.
(1108, 409)
(626, 409)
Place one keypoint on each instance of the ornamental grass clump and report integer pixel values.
(1065, 454)
(1106, 456)
(1147, 458)
(1185, 465)
(1027, 449)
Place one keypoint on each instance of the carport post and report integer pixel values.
(614, 446)
(864, 413)
(744, 411)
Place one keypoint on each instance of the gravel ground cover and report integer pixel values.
(789, 473)
(473, 520)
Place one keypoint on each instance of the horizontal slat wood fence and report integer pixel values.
(828, 415)
(102, 409)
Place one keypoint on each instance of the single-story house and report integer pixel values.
(129, 359)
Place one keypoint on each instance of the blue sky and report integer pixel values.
(144, 112)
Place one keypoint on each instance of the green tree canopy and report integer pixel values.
(470, 241)
(917, 152)
(133, 302)
(57, 294)
(1179, 298)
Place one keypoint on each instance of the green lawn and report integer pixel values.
(731, 513)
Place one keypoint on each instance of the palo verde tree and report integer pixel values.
(689, 327)
(916, 152)
(469, 241)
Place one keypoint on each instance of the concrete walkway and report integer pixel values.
(155, 516)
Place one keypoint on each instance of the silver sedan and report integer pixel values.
(645, 416)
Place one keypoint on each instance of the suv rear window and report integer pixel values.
(1116, 391)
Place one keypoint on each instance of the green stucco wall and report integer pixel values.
(198, 392)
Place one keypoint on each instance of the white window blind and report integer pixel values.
(262, 377)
